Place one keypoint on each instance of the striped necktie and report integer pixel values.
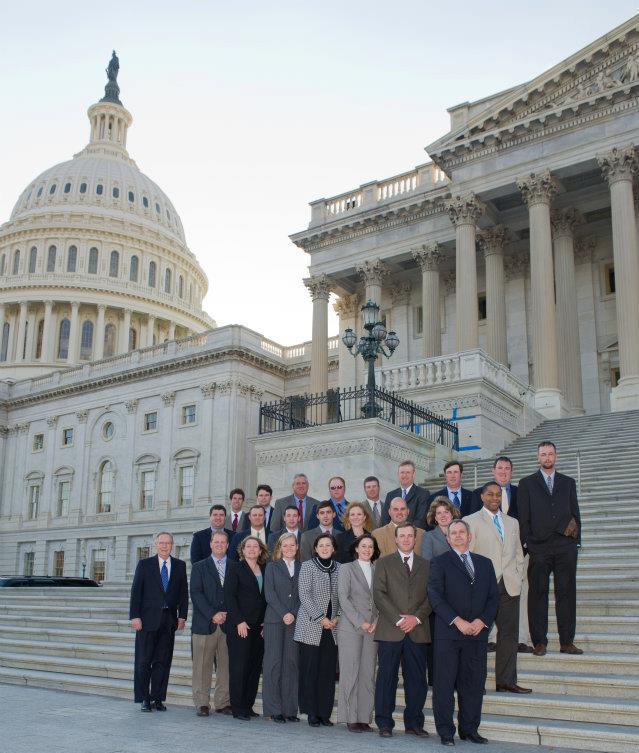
(469, 566)
(498, 527)
(164, 574)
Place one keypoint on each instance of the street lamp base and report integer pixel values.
(371, 410)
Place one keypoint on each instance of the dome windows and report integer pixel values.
(72, 258)
(133, 271)
(51, 259)
(157, 208)
(40, 190)
(83, 187)
(63, 339)
(109, 340)
(67, 188)
(114, 264)
(16, 261)
(92, 267)
(115, 192)
(152, 274)
(131, 197)
(145, 202)
(181, 286)
(108, 430)
(52, 189)
(86, 341)
(33, 259)
(99, 189)
(167, 280)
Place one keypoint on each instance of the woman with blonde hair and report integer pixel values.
(280, 676)
(357, 521)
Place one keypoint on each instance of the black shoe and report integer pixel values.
(252, 714)
(160, 706)
(447, 741)
(416, 732)
(385, 732)
(325, 721)
(473, 737)
(242, 717)
(146, 706)
(292, 718)
(492, 647)
(313, 721)
(279, 719)
(524, 648)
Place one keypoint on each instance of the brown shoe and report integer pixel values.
(524, 648)
(416, 732)
(570, 648)
(353, 727)
(226, 710)
(203, 711)
(491, 647)
(512, 689)
(385, 732)
(365, 727)
(540, 649)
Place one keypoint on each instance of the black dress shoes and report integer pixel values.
(325, 721)
(226, 710)
(447, 741)
(313, 721)
(353, 727)
(292, 718)
(279, 719)
(524, 648)
(416, 732)
(242, 717)
(146, 706)
(473, 737)
(512, 689)
(253, 714)
(385, 732)
(160, 706)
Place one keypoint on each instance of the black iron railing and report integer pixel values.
(335, 406)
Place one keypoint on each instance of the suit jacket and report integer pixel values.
(201, 544)
(207, 595)
(246, 523)
(542, 515)
(274, 536)
(452, 594)
(316, 589)
(417, 501)
(277, 518)
(148, 597)
(237, 540)
(466, 500)
(395, 592)
(228, 522)
(434, 543)
(513, 510)
(344, 541)
(385, 537)
(313, 521)
(244, 600)
(355, 598)
(308, 539)
(281, 591)
(507, 556)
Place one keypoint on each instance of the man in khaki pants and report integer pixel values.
(208, 629)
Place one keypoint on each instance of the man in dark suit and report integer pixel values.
(456, 493)
(550, 527)
(300, 499)
(255, 528)
(263, 496)
(399, 592)
(201, 544)
(502, 474)
(416, 497)
(291, 525)
(328, 523)
(462, 589)
(159, 606)
(208, 628)
(337, 499)
(235, 518)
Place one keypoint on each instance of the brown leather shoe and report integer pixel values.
(226, 710)
(203, 711)
(416, 732)
(353, 727)
(524, 648)
(385, 732)
(512, 689)
(540, 649)
(570, 648)
(491, 647)
(365, 727)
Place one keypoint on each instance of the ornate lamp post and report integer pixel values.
(369, 346)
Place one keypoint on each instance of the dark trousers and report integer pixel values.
(412, 658)
(507, 622)
(318, 665)
(245, 667)
(429, 649)
(153, 656)
(559, 557)
(459, 665)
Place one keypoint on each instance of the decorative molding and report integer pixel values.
(516, 265)
(319, 287)
(429, 257)
(347, 306)
(372, 272)
(22, 428)
(400, 293)
(538, 188)
(208, 390)
(168, 398)
(465, 209)
(131, 406)
(82, 416)
(492, 240)
(52, 421)
(565, 221)
(618, 164)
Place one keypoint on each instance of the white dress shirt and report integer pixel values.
(168, 565)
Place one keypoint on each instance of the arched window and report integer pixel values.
(190, 293)
(152, 272)
(67, 187)
(133, 339)
(33, 259)
(83, 187)
(63, 339)
(99, 189)
(72, 259)
(3, 264)
(116, 192)
(93, 261)
(114, 264)
(86, 342)
(133, 271)
(51, 259)
(181, 286)
(167, 280)
(109, 340)
(145, 202)
(52, 189)
(38, 353)
(16, 262)
(131, 197)
(105, 486)
(4, 346)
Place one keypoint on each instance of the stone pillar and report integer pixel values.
(99, 333)
(537, 190)
(171, 330)
(464, 211)
(48, 335)
(124, 334)
(22, 323)
(564, 223)
(400, 298)
(32, 324)
(619, 167)
(319, 287)
(429, 259)
(491, 241)
(372, 274)
(150, 328)
(74, 333)
(347, 307)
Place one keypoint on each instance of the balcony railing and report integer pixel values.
(337, 406)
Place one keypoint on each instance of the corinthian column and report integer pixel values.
(74, 334)
(99, 332)
(373, 273)
(564, 223)
(619, 167)
(319, 287)
(124, 333)
(48, 333)
(492, 242)
(347, 307)
(429, 259)
(22, 325)
(464, 211)
(537, 190)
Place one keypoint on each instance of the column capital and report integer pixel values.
(208, 390)
(493, 239)
(618, 164)
(538, 188)
(584, 248)
(101, 307)
(347, 305)
(319, 287)
(75, 305)
(564, 221)
(429, 257)
(168, 398)
(400, 293)
(372, 272)
(48, 304)
(82, 416)
(131, 405)
(464, 209)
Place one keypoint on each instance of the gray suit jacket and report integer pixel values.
(228, 522)
(281, 591)
(433, 544)
(307, 541)
(316, 589)
(277, 516)
(355, 598)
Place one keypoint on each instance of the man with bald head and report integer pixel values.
(385, 536)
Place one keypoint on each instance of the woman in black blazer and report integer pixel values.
(357, 521)
(245, 603)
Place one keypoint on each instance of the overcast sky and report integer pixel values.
(246, 111)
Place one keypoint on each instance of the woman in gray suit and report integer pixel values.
(357, 648)
(280, 672)
(315, 631)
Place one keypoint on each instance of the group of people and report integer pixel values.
(302, 590)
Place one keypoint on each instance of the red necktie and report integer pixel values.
(301, 509)
(235, 522)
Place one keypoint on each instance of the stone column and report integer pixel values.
(399, 318)
(22, 323)
(464, 211)
(48, 335)
(564, 223)
(2, 328)
(372, 274)
(32, 323)
(347, 307)
(537, 190)
(74, 333)
(150, 328)
(619, 167)
(124, 335)
(319, 287)
(491, 241)
(99, 333)
(429, 259)
(171, 330)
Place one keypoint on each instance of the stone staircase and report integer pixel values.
(80, 640)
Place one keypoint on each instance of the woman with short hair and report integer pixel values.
(357, 521)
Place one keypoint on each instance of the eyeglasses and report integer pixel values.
(334, 488)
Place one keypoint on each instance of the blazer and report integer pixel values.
(507, 556)
(417, 501)
(344, 541)
(308, 539)
(385, 537)
(337, 523)
(513, 510)
(147, 594)
(242, 518)
(274, 536)
(466, 500)
(201, 543)
(542, 515)
(395, 592)
(238, 539)
(452, 594)
(277, 516)
(246, 523)
(434, 543)
(207, 595)
(244, 601)
(355, 598)
(281, 591)
(316, 589)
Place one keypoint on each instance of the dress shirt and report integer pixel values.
(291, 567)
(295, 531)
(220, 566)
(339, 507)
(548, 475)
(297, 504)
(259, 534)
(326, 530)
(267, 514)
(505, 499)
(470, 558)
(409, 561)
(451, 493)
(367, 570)
(500, 519)
(371, 504)
(168, 564)
(405, 492)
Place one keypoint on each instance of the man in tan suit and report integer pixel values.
(385, 536)
(496, 536)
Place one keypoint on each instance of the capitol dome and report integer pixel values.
(93, 261)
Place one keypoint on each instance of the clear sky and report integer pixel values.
(245, 111)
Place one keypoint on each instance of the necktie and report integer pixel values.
(498, 527)
(220, 571)
(406, 565)
(469, 566)
(403, 493)
(300, 507)
(505, 504)
(235, 522)
(164, 574)
(456, 500)
(549, 483)
(376, 514)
